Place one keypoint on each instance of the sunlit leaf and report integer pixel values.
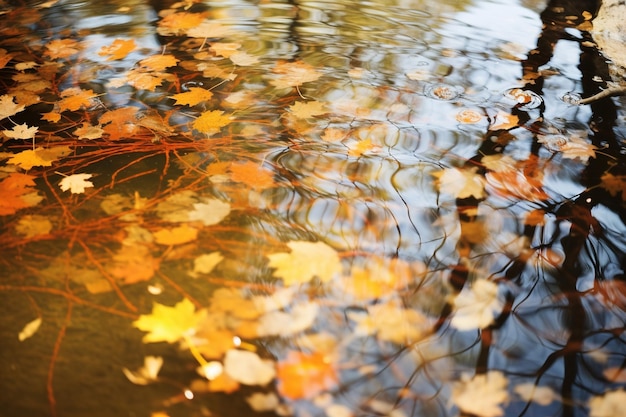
(305, 375)
(76, 183)
(211, 211)
(29, 329)
(8, 107)
(504, 121)
(76, 98)
(293, 74)
(306, 261)
(211, 121)
(481, 395)
(39, 157)
(288, 323)
(243, 59)
(194, 96)
(5, 57)
(461, 182)
(22, 131)
(252, 174)
(142, 80)
(248, 368)
(88, 131)
(118, 49)
(179, 23)
(176, 235)
(476, 307)
(169, 324)
(208, 29)
(224, 49)
(205, 263)
(147, 373)
(392, 323)
(304, 110)
(159, 62)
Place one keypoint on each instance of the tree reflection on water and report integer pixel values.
(301, 208)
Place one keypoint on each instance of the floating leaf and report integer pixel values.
(147, 373)
(248, 368)
(8, 107)
(481, 395)
(62, 48)
(168, 324)
(158, 62)
(118, 49)
(210, 212)
(293, 74)
(204, 264)
(306, 261)
(243, 59)
(39, 157)
(504, 121)
(304, 110)
(305, 375)
(194, 96)
(29, 329)
(76, 98)
(76, 183)
(251, 174)
(22, 131)
(176, 235)
(210, 122)
(610, 404)
(540, 394)
(461, 183)
(476, 307)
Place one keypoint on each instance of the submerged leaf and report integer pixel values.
(248, 368)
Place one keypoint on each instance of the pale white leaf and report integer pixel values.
(211, 212)
(76, 183)
(248, 368)
(263, 402)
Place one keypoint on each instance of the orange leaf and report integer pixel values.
(305, 375)
(158, 62)
(134, 264)
(176, 235)
(16, 192)
(210, 122)
(38, 157)
(179, 23)
(192, 97)
(252, 175)
(74, 98)
(118, 49)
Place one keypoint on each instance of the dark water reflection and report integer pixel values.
(478, 219)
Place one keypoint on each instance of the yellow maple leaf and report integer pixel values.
(176, 235)
(158, 62)
(118, 49)
(210, 122)
(179, 23)
(306, 261)
(224, 49)
(32, 225)
(192, 97)
(169, 324)
(88, 131)
(304, 110)
(38, 157)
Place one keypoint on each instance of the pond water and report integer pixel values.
(312, 208)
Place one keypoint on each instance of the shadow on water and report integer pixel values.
(388, 211)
